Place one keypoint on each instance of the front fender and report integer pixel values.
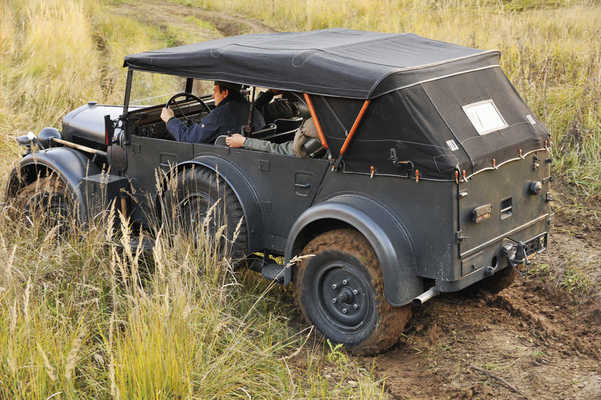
(386, 234)
(70, 164)
(243, 189)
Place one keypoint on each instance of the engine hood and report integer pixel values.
(85, 125)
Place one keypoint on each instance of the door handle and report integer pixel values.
(302, 185)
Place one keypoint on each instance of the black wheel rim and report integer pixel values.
(343, 295)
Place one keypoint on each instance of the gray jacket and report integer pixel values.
(286, 148)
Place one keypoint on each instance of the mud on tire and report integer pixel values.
(199, 193)
(340, 290)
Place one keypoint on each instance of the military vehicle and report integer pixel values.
(429, 175)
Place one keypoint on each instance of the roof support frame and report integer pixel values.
(348, 139)
(322, 137)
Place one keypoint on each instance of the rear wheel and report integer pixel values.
(340, 290)
(200, 204)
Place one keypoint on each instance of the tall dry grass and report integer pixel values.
(85, 315)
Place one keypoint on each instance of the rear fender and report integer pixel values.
(69, 164)
(386, 234)
(243, 189)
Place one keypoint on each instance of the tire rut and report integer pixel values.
(169, 16)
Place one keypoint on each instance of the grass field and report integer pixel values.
(85, 318)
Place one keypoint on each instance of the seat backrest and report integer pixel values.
(269, 129)
(288, 124)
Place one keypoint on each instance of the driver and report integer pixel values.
(229, 115)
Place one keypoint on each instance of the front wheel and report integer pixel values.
(48, 203)
(340, 290)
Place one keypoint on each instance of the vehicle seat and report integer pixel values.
(220, 141)
(262, 133)
(288, 124)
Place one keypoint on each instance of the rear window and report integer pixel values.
(485, 117)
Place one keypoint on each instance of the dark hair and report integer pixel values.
(233, 89)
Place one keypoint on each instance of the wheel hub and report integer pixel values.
(342, 295)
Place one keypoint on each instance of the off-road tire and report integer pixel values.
(47, 201)
(345, 258)
(196, 191)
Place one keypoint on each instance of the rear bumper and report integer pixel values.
(475, 264)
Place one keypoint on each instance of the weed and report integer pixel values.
(575, 281)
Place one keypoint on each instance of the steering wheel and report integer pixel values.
(188, 96)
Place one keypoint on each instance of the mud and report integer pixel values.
(533, 340)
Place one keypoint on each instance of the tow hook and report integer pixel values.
(516, 253)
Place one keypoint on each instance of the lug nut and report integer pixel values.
(355, 292)
(334, 286)
(345, 282)
(356, 306)
(344, 310)
(334, 300)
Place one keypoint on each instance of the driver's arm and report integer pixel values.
(203, 132)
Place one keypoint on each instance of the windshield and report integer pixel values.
(149, 89)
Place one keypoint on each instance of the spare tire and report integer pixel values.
(200, 203)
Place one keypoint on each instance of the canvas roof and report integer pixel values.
(332, 62)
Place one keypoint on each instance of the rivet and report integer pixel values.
(334, 286)
(344, 310)
(334, 300)
(356, 306)
(345, 282)
(355, 292)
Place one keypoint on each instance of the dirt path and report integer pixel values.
(185, 23)
(530, 341)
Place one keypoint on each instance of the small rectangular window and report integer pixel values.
(506, 208)
(485, 116)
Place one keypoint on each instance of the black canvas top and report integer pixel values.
(332, 62)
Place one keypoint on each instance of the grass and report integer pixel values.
(86, 316)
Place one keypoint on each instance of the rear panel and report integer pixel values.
(503, 205)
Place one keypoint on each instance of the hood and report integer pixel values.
(85, 125)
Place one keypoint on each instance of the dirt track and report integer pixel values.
(530, 341)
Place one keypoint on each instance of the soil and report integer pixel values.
(535, 339)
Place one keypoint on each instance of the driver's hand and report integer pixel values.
(236, 140)
(166, 114)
